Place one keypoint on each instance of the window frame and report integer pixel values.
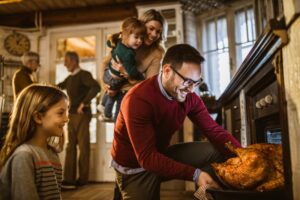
(207, 52)
(244, 10)
(229, 13)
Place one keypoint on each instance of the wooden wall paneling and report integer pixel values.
(71, 16)
(44, 5)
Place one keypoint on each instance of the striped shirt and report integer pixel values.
(31, 173)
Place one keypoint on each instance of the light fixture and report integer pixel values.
(9, 1)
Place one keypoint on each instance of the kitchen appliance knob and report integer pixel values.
(269, 99)
(257, 105)
(262, 102)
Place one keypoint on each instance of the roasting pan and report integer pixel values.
(218, 194)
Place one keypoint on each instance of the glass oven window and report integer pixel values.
(273, 136)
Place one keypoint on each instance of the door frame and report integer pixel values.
(99, 151)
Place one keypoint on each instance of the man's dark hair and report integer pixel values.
(180, 53)
(73, 56)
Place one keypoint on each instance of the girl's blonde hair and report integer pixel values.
(36, 98)
(154, 15)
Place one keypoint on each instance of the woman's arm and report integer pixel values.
(154, 65)
(103, 66)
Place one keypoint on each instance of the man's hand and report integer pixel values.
(80, 108)
(206, 181)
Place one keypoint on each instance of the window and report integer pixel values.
(109, 127)
(244, 33)
(216, 68)
(225, 45)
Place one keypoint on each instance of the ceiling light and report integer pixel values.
(9, 1)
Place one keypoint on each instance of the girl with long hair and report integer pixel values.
(30, 167)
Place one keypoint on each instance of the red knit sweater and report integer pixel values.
(146, 123)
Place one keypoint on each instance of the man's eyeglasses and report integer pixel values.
(187, 81)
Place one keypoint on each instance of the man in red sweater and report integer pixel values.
(150, 114)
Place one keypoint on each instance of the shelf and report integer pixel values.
(171, 21)
(168, 13)
(171, 36)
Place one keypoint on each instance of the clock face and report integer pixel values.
(17, 44)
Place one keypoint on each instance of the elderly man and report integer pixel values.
(150, 114)
(26, 75)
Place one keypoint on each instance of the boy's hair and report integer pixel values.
(36, 98)
(28, 56)
(154, 15)
(130, 25)
(180, 53)
(72, 55)
(133, 25)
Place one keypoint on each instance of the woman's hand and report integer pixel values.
(117, 65)
(109, 92)
(206, 181)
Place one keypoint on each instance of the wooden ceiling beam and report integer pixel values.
(70, 16)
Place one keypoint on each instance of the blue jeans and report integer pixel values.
(108, 103)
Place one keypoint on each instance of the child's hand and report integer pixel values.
(124, 74)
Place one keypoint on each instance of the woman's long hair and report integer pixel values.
(154, 15)
(36, 98)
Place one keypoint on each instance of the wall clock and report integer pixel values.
(17, 44)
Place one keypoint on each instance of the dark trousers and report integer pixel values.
(114, 84)
(146, 185)
(108, 101)
(78, 133)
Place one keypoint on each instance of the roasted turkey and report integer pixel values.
(259, 166)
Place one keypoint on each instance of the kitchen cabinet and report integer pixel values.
(232, 118)
(254, 104)
(257, 84)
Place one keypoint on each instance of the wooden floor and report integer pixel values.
(104, 191)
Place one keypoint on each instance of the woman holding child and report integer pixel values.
(148, 56)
